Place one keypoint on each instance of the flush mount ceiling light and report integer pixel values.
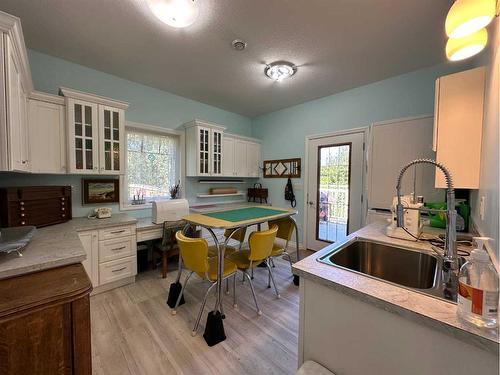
(280, 70)
(175, 13)
(470, 45)
(468, 16)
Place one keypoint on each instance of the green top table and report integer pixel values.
(240, 217)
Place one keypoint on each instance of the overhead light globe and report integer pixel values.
(280, 70)
(175, 13)
(465, 17)
(470, 45)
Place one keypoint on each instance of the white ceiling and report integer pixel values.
(337, 44)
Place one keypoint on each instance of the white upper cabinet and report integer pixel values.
(204, 148)
(95, 133)
(253, 159)
(240, 158)
(112, 140)
(211, 152)
(228, 169)
(15, 86)
(82, 137)
(458, 124)
(47, 138)
(216, 151)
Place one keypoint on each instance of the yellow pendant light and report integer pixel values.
(465, 17)
(470, 45)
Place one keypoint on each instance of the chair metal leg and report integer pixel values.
(227, 286)
(272, 262)
(268, 279)
(201, 309)
(289, 260)
(272, 278)
(235, 305)
(251, 270)
(164, 265)
(259, 311)
(174, 311)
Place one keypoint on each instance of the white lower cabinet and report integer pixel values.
(111, 255)
(90, 242)
(117, 269)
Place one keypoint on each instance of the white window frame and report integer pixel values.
(180, 161)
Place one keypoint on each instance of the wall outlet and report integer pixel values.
(482, 204)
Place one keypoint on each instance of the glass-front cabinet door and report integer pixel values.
(216, 152)
(204, 150)
(83, 137)
(111, 129)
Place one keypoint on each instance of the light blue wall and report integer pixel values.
(147, 105)
(283, 132)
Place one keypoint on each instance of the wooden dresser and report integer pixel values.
(45, 323)
(35, 205)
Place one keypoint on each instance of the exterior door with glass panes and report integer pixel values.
(334, 188)
(204, 151)
(83, 137)
(216, 153)
(111, 129)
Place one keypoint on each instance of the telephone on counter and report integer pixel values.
(101, 213)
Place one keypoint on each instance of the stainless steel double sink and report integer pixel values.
(404, 267)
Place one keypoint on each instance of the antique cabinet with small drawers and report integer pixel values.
(34, 205)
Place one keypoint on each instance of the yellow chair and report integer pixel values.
(260, 247)
(286, 227)
(194, 257)
(239, 236)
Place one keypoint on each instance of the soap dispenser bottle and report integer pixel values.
(478, 288)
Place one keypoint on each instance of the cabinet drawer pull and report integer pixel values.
(118, 231)
(119, 248)
(119, 269)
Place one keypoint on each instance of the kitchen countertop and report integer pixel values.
(432, 312)
(56, 245)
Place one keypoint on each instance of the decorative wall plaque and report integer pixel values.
(283, 168)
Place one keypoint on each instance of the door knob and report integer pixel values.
(310, 203)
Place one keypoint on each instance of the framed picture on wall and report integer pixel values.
(100, 191)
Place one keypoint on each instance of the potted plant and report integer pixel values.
(175, 190)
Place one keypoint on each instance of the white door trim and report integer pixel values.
(365, 131)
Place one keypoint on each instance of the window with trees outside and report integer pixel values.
(152, 166)
(333, 174)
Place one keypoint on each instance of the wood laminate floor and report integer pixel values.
(133, 331)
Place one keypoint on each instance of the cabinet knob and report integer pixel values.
(23, 223)
(95, 168)
(21, 203)
(23, 214)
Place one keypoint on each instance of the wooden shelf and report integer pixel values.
(207, 195)
(225, 182)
